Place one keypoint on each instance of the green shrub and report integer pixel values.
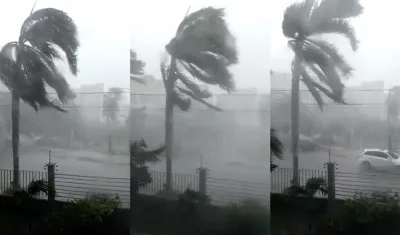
(88, 214)
(248, 217)
(376, 213)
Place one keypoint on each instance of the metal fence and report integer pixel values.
(71, 186)
(347, 184)
(226, 191)
(6, 177)
(281, 178)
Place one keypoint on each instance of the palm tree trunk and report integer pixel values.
(295, 105)
(109, 136)
(15, 114)
(169, 125)
(389, 123)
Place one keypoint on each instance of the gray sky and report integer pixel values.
(156, 23)
(378, 54)
(104, 51)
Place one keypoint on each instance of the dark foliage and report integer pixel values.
(203, 49)
(377, 213)
(139, 154)
(27, 66)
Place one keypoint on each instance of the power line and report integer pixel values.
(78, 93)
(346, 89)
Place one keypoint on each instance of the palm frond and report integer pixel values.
(296, 18)
(205, 47)
(312, 55)
(337, 26)
(333, 53)
(277, 148)
(136, 65)
(47, 27)
(307, 80)
(197, 91)
(180, 99)
(197, 98)
(337, 97)
(209, 68)
(7, 68)
(337, 9)
(36, 187)
(36, 70)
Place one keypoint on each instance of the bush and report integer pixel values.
(377, 213)
(312, 187)
(248, 217)
(89, 214)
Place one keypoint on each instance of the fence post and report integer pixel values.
(202, 179)
(331, 166)
(132, 188)
(51, 175)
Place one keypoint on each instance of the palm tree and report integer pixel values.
(111, 101)
(203, 49)
(27, 66)
(277, 148)
(302, 22)
(136, 68)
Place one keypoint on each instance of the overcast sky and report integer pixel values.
(104, 52)
(156, 23)
(378, 55)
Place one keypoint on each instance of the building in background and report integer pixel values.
(368, 97)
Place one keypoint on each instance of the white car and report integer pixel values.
(377, 159)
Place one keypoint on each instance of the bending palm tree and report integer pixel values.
(27, 66)
(276, 146)
(301, 22)
(202, 49)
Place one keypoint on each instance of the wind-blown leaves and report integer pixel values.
(140, 155)
(53, 26)
(28, 66)
(337, 26)
(136, 68)
(333, 9)
(277, 147)
(203, 48)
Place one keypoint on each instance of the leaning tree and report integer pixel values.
(313, 56)
(27, 66)
(203, 50)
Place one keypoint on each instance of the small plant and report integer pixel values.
(312, 187)
(140, 175)
(194, 197)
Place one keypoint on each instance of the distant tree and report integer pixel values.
(27, 66)
(393, 105)
(301, 22)
(136, 68)
(140, 156)
(111, 101)
(202, 48)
